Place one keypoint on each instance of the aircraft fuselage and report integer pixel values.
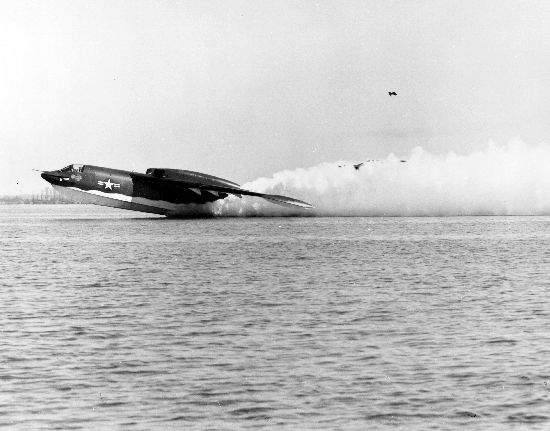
(158, 191)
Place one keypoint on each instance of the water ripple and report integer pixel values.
(133, 323)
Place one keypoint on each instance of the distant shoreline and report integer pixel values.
(25, 202)
(47, 197)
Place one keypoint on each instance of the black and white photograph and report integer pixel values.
(274, 215)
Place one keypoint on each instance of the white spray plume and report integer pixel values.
(513, 179)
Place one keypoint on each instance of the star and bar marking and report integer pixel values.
(108, 184)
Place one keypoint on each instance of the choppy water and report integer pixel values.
(109, 319)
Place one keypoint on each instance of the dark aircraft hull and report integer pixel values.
(167, 192)
(114, 200)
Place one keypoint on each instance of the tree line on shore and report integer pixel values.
(47, 196)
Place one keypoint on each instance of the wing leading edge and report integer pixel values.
(237, 191)
(198, 188)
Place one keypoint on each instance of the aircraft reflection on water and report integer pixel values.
(170, 192)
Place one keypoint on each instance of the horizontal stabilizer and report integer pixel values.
(286, 201)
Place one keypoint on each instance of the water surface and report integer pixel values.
(113, 319)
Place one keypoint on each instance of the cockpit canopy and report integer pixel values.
(73, 168)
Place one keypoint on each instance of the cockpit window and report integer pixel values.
(72, 168)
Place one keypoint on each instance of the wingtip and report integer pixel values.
(286, 201)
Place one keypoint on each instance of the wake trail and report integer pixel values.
(512, 179)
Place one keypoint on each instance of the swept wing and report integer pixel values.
(198, 188)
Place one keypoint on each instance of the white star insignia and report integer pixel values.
(108, 184)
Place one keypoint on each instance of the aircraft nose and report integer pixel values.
(51, 177)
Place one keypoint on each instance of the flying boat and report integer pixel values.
(169, 192)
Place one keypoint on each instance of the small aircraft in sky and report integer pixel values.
(169, 192)
(358, 165)
(392, 93)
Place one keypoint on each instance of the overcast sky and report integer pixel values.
(242, 89)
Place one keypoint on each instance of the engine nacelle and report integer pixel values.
(190, 176)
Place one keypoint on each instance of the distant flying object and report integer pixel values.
(358, 165)
(392, 93)
(169, 192)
